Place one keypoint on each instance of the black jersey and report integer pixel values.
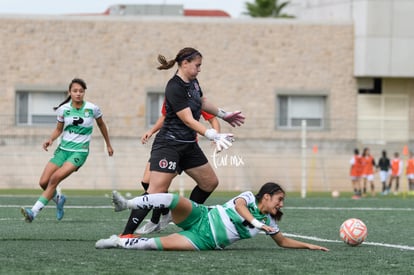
(384, 164)
(178, 96)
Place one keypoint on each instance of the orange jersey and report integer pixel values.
(368, 165)
(396, 167)
(357, 166)
(410, 166)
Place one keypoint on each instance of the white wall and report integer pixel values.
(384, 33)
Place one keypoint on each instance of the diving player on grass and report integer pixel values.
(208, 228)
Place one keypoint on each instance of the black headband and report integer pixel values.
(187, 56)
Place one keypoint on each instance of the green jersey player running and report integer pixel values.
(75, 118)
(207, 228)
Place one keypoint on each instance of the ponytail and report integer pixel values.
(63, 102)
(184, 54)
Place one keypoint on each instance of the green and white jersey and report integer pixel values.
(228, 226)
(78, 125)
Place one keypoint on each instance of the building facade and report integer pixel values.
(278, 72)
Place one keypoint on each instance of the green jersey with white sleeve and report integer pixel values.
(78, 125)
(228, 226)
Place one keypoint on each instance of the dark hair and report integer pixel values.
(356, 151)
(184, 54)
(364, 153)
(271, 188)
(77, 81)
(384, 153)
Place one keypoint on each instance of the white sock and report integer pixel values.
(149, 201)
(138, 243)
(37, 207)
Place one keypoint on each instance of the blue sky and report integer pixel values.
(234, 7)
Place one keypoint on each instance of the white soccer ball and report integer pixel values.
(353, 232)
(335, 194)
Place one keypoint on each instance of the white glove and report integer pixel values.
(223, 141)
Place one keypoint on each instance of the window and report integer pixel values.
(369, 85)
(36, 107)
(154, 105)
(295, 108)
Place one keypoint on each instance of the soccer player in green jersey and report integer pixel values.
(207, 228)
(75, 118)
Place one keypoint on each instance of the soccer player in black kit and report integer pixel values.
(175, 147)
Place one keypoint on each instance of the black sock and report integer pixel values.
(198, 195)
(145, 185)
(156, 214)
(134, 220)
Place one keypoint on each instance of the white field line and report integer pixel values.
(403, 247)
(352, 208)
(66, 206)
(289, 207)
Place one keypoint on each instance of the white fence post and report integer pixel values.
(304, 183)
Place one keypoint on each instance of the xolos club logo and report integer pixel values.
(163, 163)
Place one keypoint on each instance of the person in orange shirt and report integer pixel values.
(396, 169)
(410, 171)
(356, 171)
(368, 173)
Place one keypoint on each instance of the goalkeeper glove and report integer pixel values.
(233, 118)
(223, 141)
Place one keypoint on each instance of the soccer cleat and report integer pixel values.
(119, 202)
(27, 213)
(165, 220)
(59, 207)
(112, 242)
(149, 227)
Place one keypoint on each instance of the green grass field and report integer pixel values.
(47, 246)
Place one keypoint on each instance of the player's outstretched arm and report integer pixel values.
(233, 118)
(286, 242)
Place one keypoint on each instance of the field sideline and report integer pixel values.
(47, 246)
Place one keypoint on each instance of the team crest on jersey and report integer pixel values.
(163, 163)
(197, 88)
(88, 112)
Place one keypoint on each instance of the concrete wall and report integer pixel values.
(246, 62)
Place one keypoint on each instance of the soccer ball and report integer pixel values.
(353, 232)
(335, 194)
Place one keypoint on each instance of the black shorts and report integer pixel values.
(173, 157)
(179, 170)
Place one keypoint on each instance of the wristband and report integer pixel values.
(257, 224)
(210, 134)
(221, 113)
